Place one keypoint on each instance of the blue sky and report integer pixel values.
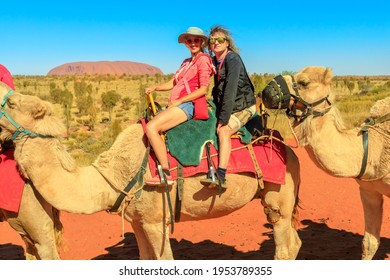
(352, 38)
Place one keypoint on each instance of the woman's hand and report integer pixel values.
(150, 89)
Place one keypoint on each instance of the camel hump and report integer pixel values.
(380, 108)
(380, 112)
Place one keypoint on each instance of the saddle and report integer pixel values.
(186, 145)
(11, 183)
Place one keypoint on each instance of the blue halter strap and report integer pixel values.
(19, 129)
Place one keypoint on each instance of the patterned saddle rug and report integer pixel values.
(271, 156)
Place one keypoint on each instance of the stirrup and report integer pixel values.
(214, 184)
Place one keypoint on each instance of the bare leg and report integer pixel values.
(225, 142)
(164, 121)
(225, 145)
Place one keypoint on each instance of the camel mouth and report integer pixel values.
(3, 137)
(276, 95)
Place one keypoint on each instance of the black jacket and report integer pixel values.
(233, 90)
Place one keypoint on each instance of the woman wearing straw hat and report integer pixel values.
(189, 87)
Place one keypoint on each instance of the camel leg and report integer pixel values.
(278, 202)
(31, 250)
(144, 246)
(41, 231)
(373, 210)
(36, 220)
(39, 245)
(158, 236)
(35, 225)
(18, 223)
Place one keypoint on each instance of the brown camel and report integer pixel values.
(339, 151)
(38, 224)
(85, 190)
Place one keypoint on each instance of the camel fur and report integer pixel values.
(84, 190)
(38, 223)
(339, 151)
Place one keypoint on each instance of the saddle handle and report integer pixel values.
(151, 104)
(152, 109)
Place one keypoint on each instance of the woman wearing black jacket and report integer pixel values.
(233, 94)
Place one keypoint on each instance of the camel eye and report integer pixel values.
(10, 104)
(304, 83)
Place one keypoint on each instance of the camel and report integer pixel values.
(44, 160)
(38, 223)
(339, 151)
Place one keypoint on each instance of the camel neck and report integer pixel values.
(337, 150)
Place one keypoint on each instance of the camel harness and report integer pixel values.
(19, 129)
(276, 95)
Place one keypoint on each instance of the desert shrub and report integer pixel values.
(355, 108)
(86, 146)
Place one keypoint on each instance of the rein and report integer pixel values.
(369, 123)
(138, 178)
(19, 129)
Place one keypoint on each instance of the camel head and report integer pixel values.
(308, 92)
(23, 115)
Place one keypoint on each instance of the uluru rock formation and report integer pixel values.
(105, 67)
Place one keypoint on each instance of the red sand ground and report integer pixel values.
(331, 217)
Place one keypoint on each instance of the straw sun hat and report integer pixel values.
(192, 31)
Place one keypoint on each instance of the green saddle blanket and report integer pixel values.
(187, 140)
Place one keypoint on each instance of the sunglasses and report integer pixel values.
(220, 40)
(195, 41)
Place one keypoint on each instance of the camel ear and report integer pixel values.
(42, 109)
(328, 75)
(48, 124)
(39, 111)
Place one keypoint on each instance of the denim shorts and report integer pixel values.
(188, 108)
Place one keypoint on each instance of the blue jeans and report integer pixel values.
(188, 108)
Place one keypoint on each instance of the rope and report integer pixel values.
(126, 204)
(294, 134)
(378, 130)
(291, 129)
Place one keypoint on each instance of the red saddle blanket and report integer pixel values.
(11, 184)
(271, 159)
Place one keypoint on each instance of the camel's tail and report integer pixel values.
(58, 229)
